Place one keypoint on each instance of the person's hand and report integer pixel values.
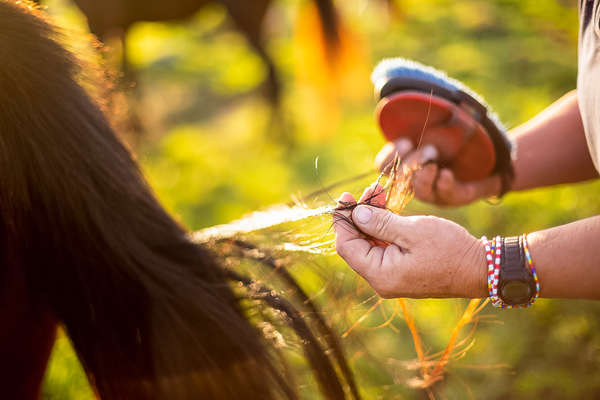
(434, 185)
(426, 256)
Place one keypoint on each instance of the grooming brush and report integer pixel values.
(426, 106)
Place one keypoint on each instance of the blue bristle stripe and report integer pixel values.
(403, 68)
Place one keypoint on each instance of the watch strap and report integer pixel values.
(513, 268)
(513, 262)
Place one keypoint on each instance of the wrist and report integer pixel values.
(512, 276)
(502, 182)
(507, 179)
(475, 273)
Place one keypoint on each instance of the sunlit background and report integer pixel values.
(213, 151)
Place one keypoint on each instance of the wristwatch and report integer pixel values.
(516, 285)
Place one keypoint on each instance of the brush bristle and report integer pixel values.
(403, 68)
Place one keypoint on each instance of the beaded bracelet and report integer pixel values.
(493, 255)
(493, 249)
(531, 266)
(497, 252)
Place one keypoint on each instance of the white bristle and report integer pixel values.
(403, 68)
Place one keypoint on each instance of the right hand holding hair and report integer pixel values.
(432, 184)
(417, 256)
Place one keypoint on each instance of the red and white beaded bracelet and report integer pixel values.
(493, 254)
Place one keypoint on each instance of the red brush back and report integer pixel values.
(462, 142)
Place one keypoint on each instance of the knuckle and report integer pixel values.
(424, 220)
(427, 223)
(426, 175)
(340, 221)
(343, 250)
(429, 175)
(417, 180)
(384, 223)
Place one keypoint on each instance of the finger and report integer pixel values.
(451, 192)
(445, 187)
(403, 146)
(423, 182)
(373, 195)
(429, 153)
(346, 199)
(364, 259)
(361, 255)
(420, 157)
(344, 205)
(424, 172)
(379, 223)
(385, 157)
(350, 243)
(342, 218)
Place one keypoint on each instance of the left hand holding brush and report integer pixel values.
(416, 256)
(434, 185)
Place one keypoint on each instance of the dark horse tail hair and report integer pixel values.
(84, 243)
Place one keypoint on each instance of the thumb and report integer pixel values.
(378, 223)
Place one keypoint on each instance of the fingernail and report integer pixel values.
(403, 145)
(429, 153)
(362, 214)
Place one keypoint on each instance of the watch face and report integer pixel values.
(516, 292)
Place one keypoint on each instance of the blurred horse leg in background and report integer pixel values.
(249, 18)
(110, 19)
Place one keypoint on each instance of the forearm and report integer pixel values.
(567, 259)
(551, 148)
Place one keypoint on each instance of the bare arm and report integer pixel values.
(551, 148)
(567, 259)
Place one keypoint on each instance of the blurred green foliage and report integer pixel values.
(212, 155)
